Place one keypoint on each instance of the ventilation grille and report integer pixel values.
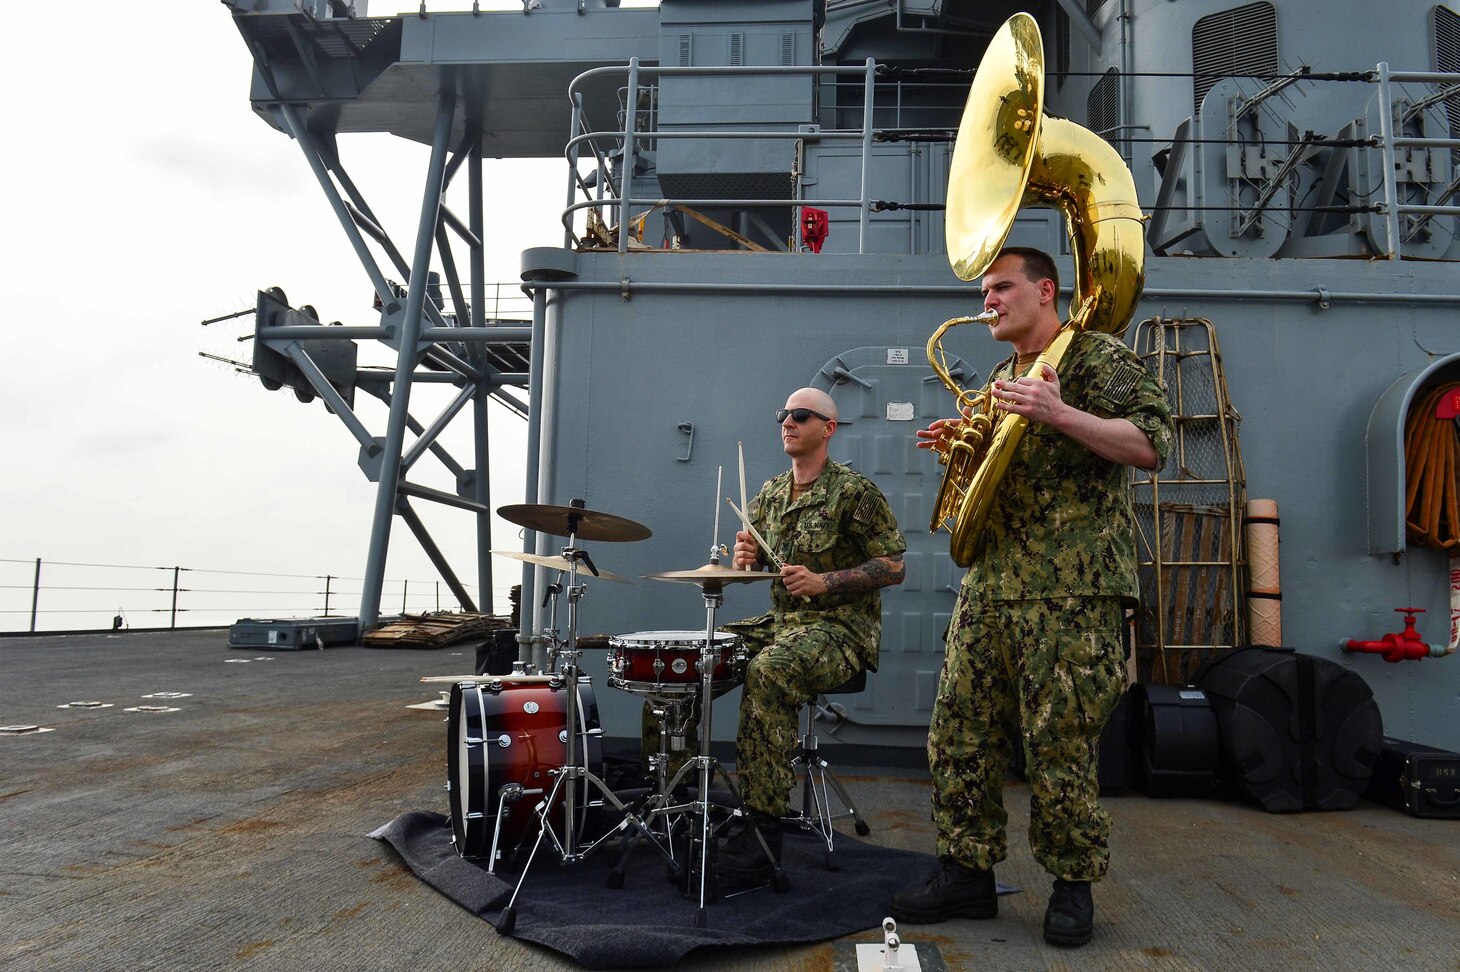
(1242, 40)
(1102, 109)
(1061, 45)
(737, 49)
(1447, 58)
(686, 48)
(788, 48)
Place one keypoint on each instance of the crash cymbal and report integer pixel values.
(561, 563)
(569, 521)
(712, 574)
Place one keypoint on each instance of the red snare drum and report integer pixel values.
(505, 736)
(668, 662)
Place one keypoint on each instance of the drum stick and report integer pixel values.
(715, 540)
(750, 529)
(743, 504)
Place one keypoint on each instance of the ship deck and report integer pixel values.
(231, 833)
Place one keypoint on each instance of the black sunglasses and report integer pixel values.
(799, 415)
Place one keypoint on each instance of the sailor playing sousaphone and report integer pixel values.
(1036, 499)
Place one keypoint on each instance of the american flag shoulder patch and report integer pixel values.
(1120, 384)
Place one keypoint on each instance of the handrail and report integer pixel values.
(626, 206)
(1389, 141)
(629, 137)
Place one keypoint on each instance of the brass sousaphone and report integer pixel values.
(1008, 155)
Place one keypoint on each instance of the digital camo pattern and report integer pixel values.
(804, 646)
(791, 662)
(1056, 668)
(841, 521)
(1061, 523)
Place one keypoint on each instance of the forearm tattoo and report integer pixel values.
(875, 573)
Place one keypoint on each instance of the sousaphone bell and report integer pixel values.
(1008, 155)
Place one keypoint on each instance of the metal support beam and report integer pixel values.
(511, 402)
(631, 151)
(439, 496)
(416, 428)
(315, 157)
(481, 439)
(385, 496)
(427, 438)
(1391, 189)
(448, 360)
(534, 440)
(864, 207)
(331, 396)
(434, 552)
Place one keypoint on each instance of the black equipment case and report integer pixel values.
(1298, 732)
(496, 654)
(1175, 746)
(1420, 780)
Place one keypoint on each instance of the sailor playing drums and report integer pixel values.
(835, 543)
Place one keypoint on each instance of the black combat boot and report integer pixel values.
(742, 859)
(1070, 917)
(954, 892)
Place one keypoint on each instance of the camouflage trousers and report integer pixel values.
(788, 666)
(1054, 670)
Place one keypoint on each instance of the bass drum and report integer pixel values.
(506, 737)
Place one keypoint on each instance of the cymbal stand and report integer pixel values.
(702, 842)
(549, 638)
(574, 773)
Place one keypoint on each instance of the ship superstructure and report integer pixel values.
(753, 202)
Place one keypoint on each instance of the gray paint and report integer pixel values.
(630, 348)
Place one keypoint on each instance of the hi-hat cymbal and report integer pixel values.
(561, 563)
(573, 521)
(712, 574)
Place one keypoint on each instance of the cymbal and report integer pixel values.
(561, 563)
(573, 521)
(712, 574)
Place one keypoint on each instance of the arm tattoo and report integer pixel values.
(875, 573)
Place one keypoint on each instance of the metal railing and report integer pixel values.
(637, 106)
(629, 137)
(1389, 141)
(39, 595)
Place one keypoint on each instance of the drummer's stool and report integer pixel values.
(818, 782)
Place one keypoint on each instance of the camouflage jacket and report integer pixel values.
(841, 521)
(1062, 524)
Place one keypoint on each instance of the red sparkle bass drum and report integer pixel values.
(506, 738)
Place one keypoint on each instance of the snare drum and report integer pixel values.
(506, 735)
(668, 662)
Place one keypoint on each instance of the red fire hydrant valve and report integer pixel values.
(1400, 646)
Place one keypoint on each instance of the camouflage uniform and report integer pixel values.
(805, 645)
(1035, 638)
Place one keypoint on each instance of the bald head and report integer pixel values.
(814, 399)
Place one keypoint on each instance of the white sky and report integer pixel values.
(145, 197)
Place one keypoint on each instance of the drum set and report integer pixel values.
(524, 751)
